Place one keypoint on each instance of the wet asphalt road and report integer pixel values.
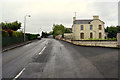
(50, 58)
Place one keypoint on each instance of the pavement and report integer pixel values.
(50, 58)
(9, 47)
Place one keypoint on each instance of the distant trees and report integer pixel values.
(60, 30)
(112, 31)
(44, 34)
(57, 30)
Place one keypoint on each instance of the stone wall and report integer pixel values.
(68, 35)
(101, 43)
(112, 44)
(97, 43)
(118, 40)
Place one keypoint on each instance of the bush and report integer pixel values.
(114, 38)
(111, 38)
(9, 31)
(16, 34)
(5, 33)
(32, 36)
(90, 38)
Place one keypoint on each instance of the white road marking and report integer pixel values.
(42, 50)
(19, 74)
(24, 68)
(46, 43)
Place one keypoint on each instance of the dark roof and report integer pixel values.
(83, 21)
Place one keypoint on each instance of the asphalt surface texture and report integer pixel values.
(50, 58)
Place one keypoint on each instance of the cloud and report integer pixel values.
(45, 13)
(108, 12)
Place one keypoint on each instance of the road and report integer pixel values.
(50, 58)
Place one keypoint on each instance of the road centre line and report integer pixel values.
(42, 50)
(19, 74)
(24, 68)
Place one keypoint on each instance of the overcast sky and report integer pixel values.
(45, 13)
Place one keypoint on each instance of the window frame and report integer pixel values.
(100, 27)
(81, 35)
(82, 27)
(91, 26)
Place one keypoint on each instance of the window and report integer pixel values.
(91, 27)
(100, 27)
(82, 35)
(82, 27)
(100, 35)
(91, 35)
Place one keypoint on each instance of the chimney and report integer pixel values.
(95, 17)
(74, 18)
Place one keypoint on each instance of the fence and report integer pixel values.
(12, 40)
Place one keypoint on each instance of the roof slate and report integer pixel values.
(82, 21)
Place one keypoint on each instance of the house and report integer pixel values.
(88, 28)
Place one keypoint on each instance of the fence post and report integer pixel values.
(118, 40)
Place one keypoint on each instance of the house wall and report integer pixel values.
(76, 29)
(96, 24)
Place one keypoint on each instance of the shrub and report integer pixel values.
(32, 36)
(5, 33)
(114, 38)
(90, 38)
(16, 34)
(9, 31)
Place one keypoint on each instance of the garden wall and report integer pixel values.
(101, 43)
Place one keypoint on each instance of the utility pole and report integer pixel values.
(25, 24)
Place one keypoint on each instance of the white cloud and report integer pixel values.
(44, 13)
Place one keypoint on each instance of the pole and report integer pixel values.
(24, 26)
(118, 40)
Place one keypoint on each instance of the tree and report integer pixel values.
(67, 30)
(13, 26)
(58, 30)
(112, 31)
(118, 28)
(44, 34)
(50, 33)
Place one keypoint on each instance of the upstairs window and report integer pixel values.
(100, 27)
(91, 27)
(82, 27)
